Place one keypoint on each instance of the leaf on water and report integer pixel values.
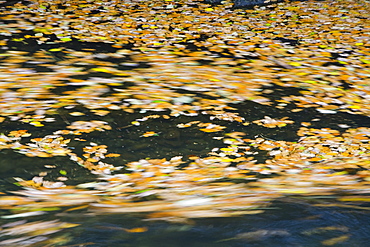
(211, 127)
(149, 134)
(320, 230)
(354, 199)
(194, 202)
(13, 200)
(336, 240)
(63, 172)
(326, 111)
(77, 208)
(77, 114)
(21, 215)
(261, 234)
(112, 155)
(272, 123)
(136, 230)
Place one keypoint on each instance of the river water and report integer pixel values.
(259, 140)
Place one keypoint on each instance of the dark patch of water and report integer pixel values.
(290, 222)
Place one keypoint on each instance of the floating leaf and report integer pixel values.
(135, 230)
(149, 134)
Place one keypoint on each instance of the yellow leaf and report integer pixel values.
(92, 160)
(227, 160)
(75, 114)
(295, 64)
(100, 70)
(208, 130)
(149, 133)
(138, 229)
(333, 241)
(68, 225)
(365, 61)
(41, 30)
(354, 107)
(77, 208)
(355, 199)
(112, 155)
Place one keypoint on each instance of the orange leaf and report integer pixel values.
(137, 229)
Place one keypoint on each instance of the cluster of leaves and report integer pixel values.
(206, 51)
(185, 58)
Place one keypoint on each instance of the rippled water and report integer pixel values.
(288, 222)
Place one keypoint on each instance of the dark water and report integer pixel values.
(290, 221)
(171, 141)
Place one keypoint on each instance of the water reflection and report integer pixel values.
(287, 222)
